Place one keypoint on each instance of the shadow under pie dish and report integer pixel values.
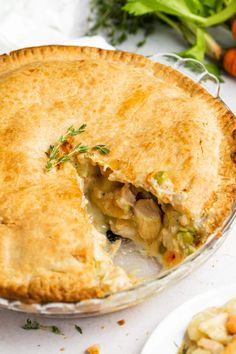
(166, 179)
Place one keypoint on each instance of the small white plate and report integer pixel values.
(168, 335)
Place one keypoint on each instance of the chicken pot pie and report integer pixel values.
(212, 331)
(97, 145)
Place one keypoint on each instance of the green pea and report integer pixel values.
(190, 249)
(186, 237)
(127, 208)
(161, 177)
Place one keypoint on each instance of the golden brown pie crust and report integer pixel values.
(150, 116)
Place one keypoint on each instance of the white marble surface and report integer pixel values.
(67, 21)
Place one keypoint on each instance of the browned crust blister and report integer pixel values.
(49, 282)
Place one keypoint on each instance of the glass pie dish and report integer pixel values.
(152, 278)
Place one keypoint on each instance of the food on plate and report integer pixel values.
(212, 331)
(97, 146)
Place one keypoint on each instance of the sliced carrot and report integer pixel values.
(172, 258)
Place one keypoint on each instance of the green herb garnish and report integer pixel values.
(79, 329)
(33, 325)
(55, 330)
(54, 150)
(72, 131)
(55, 155)
(102, 149)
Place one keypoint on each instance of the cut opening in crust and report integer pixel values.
(120, 210)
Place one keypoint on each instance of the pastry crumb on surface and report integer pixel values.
(93, 349)
(121, 322)
(62, 349)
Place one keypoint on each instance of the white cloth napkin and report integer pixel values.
(27, 23)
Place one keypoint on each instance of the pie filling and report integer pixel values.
(122, 210)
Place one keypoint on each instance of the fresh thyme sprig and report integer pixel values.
(33, 325)
(54, 150)
(54, 155)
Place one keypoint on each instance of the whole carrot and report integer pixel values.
(229, 61)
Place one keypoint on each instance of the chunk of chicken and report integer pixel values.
(106, 203)
(211, 345)
(124, 228)
(215, 328)
(148, 219)
(168, 240)
(124, 198)
(112, 198)
(193, 329)
(200, 351)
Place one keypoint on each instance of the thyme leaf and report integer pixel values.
(31, 324)
(79, 148)
(55, 330)
(79, 329)
(102, 149)
(34, 325)
(72, 131)
(63, 158)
